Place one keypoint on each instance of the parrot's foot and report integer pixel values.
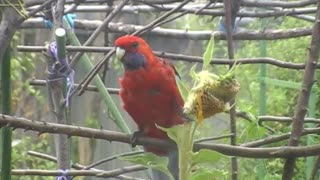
(134, 138)
(186, 117)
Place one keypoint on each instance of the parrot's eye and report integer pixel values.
(134, 44)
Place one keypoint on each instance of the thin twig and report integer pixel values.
(40, 82)
(75, 165)
(111, 158)
(105, 174)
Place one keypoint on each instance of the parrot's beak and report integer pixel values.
(120, 53)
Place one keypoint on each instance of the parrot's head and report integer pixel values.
(133, 52)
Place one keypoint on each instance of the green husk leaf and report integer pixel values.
(183, 89)
(208, 54)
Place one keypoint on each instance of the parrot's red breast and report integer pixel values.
(148, 89)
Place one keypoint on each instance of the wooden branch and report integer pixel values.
(105, 174)
(180, 57)
(39, 82)
(231, 8)
(44, 127)
(110, 159)
(181, 34)
(289, 4)
(56, 86)
(278, 138)
(194, 9)
(248, 3)
(74, 165)
(303, 100)
(262, 119)
(213, 138)
(58, 14)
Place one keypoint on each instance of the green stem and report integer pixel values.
(184, 149)
(106, 98)
(6, 109)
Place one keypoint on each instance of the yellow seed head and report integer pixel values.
(210, 95)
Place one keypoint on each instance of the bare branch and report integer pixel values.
(213, 138)
(111, 158)
(39, 82)
(58, 14)
(262, 119)
(268, 34)
(180, 57)
(231, 8)
(270, 152)
(277, 138)
(290, 4)
(105, 174)
(303, 100)
(194, 9)
(74, 165)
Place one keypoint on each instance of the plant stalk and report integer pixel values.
(6, 109)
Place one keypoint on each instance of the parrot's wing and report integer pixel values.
(168, 63)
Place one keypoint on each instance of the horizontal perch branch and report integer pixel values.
(180, 57)
(44, 127)
(184, 34)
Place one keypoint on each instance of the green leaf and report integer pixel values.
(208, 54)
(206, 173)
(149, 160)
(181, 134)
(192, 72)
(206, 156)
(183, 89)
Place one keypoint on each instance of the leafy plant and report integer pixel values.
(21, 160)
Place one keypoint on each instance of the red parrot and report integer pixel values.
(149, 93)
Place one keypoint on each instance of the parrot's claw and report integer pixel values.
(186, 117)
(134, 138)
